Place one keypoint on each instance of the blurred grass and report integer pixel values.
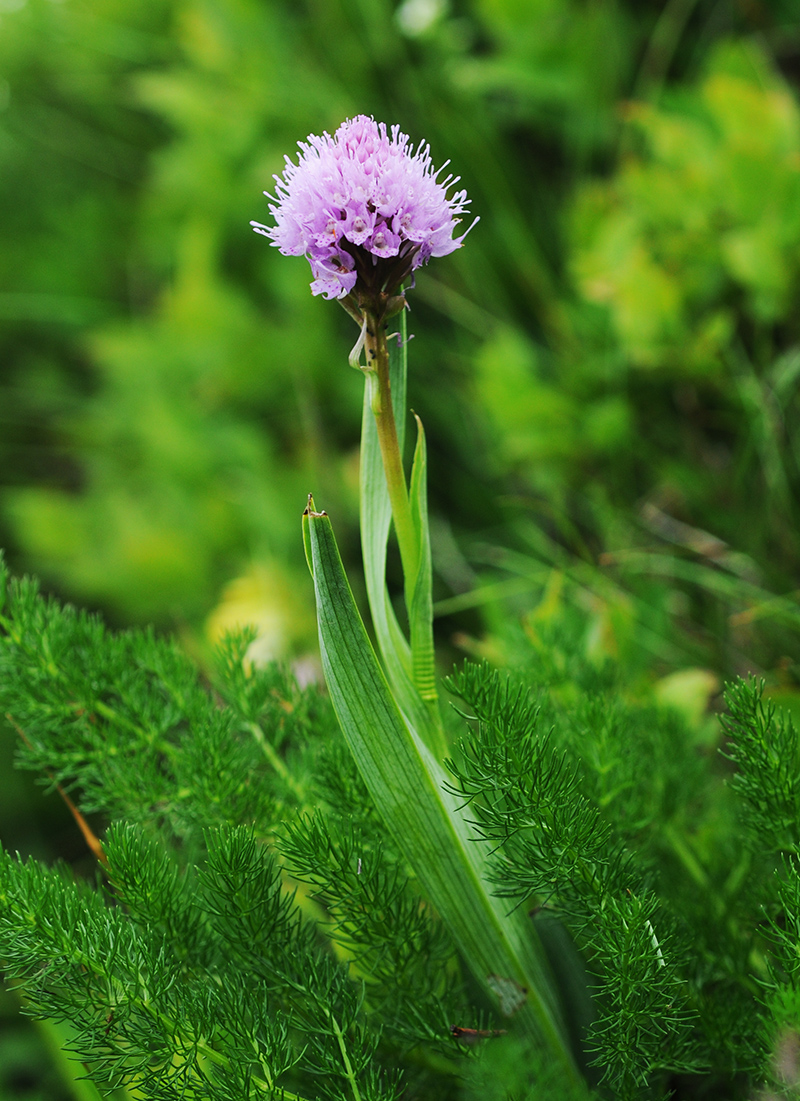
(609, 371)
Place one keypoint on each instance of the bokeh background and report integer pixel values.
(608, 371)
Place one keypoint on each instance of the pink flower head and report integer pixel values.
(364, 208)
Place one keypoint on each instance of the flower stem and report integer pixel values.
(410, 515)
(380, 395)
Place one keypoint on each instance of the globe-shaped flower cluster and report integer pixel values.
(365, 209)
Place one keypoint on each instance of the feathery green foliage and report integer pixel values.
(256, 929)
(193, 972)
(765, 747)
(553, 851)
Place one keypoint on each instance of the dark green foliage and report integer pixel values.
(508, 1071)
(198, 993)
(763, 744)
(765, 747)
(195, 973)
(198, 965)
(126, 717)
(405, 957)
(554, 851)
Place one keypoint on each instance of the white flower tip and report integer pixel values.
(472, 225)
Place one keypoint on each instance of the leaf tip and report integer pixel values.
(310, 510)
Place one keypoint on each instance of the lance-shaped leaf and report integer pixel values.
(419, 598)
(409, 791)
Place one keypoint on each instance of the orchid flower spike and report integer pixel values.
(365, 209)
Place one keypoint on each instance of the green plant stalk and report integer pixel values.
(383, 429)
(380, 400)
(376, 520)
(384, 496)
(409, 790)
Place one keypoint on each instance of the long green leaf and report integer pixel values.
(419, 598)
(408, 788)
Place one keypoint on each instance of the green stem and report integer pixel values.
(409, 513)
(275, 761)
(380, 394)
(348, 1066)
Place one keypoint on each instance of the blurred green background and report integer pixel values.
(608, 371)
